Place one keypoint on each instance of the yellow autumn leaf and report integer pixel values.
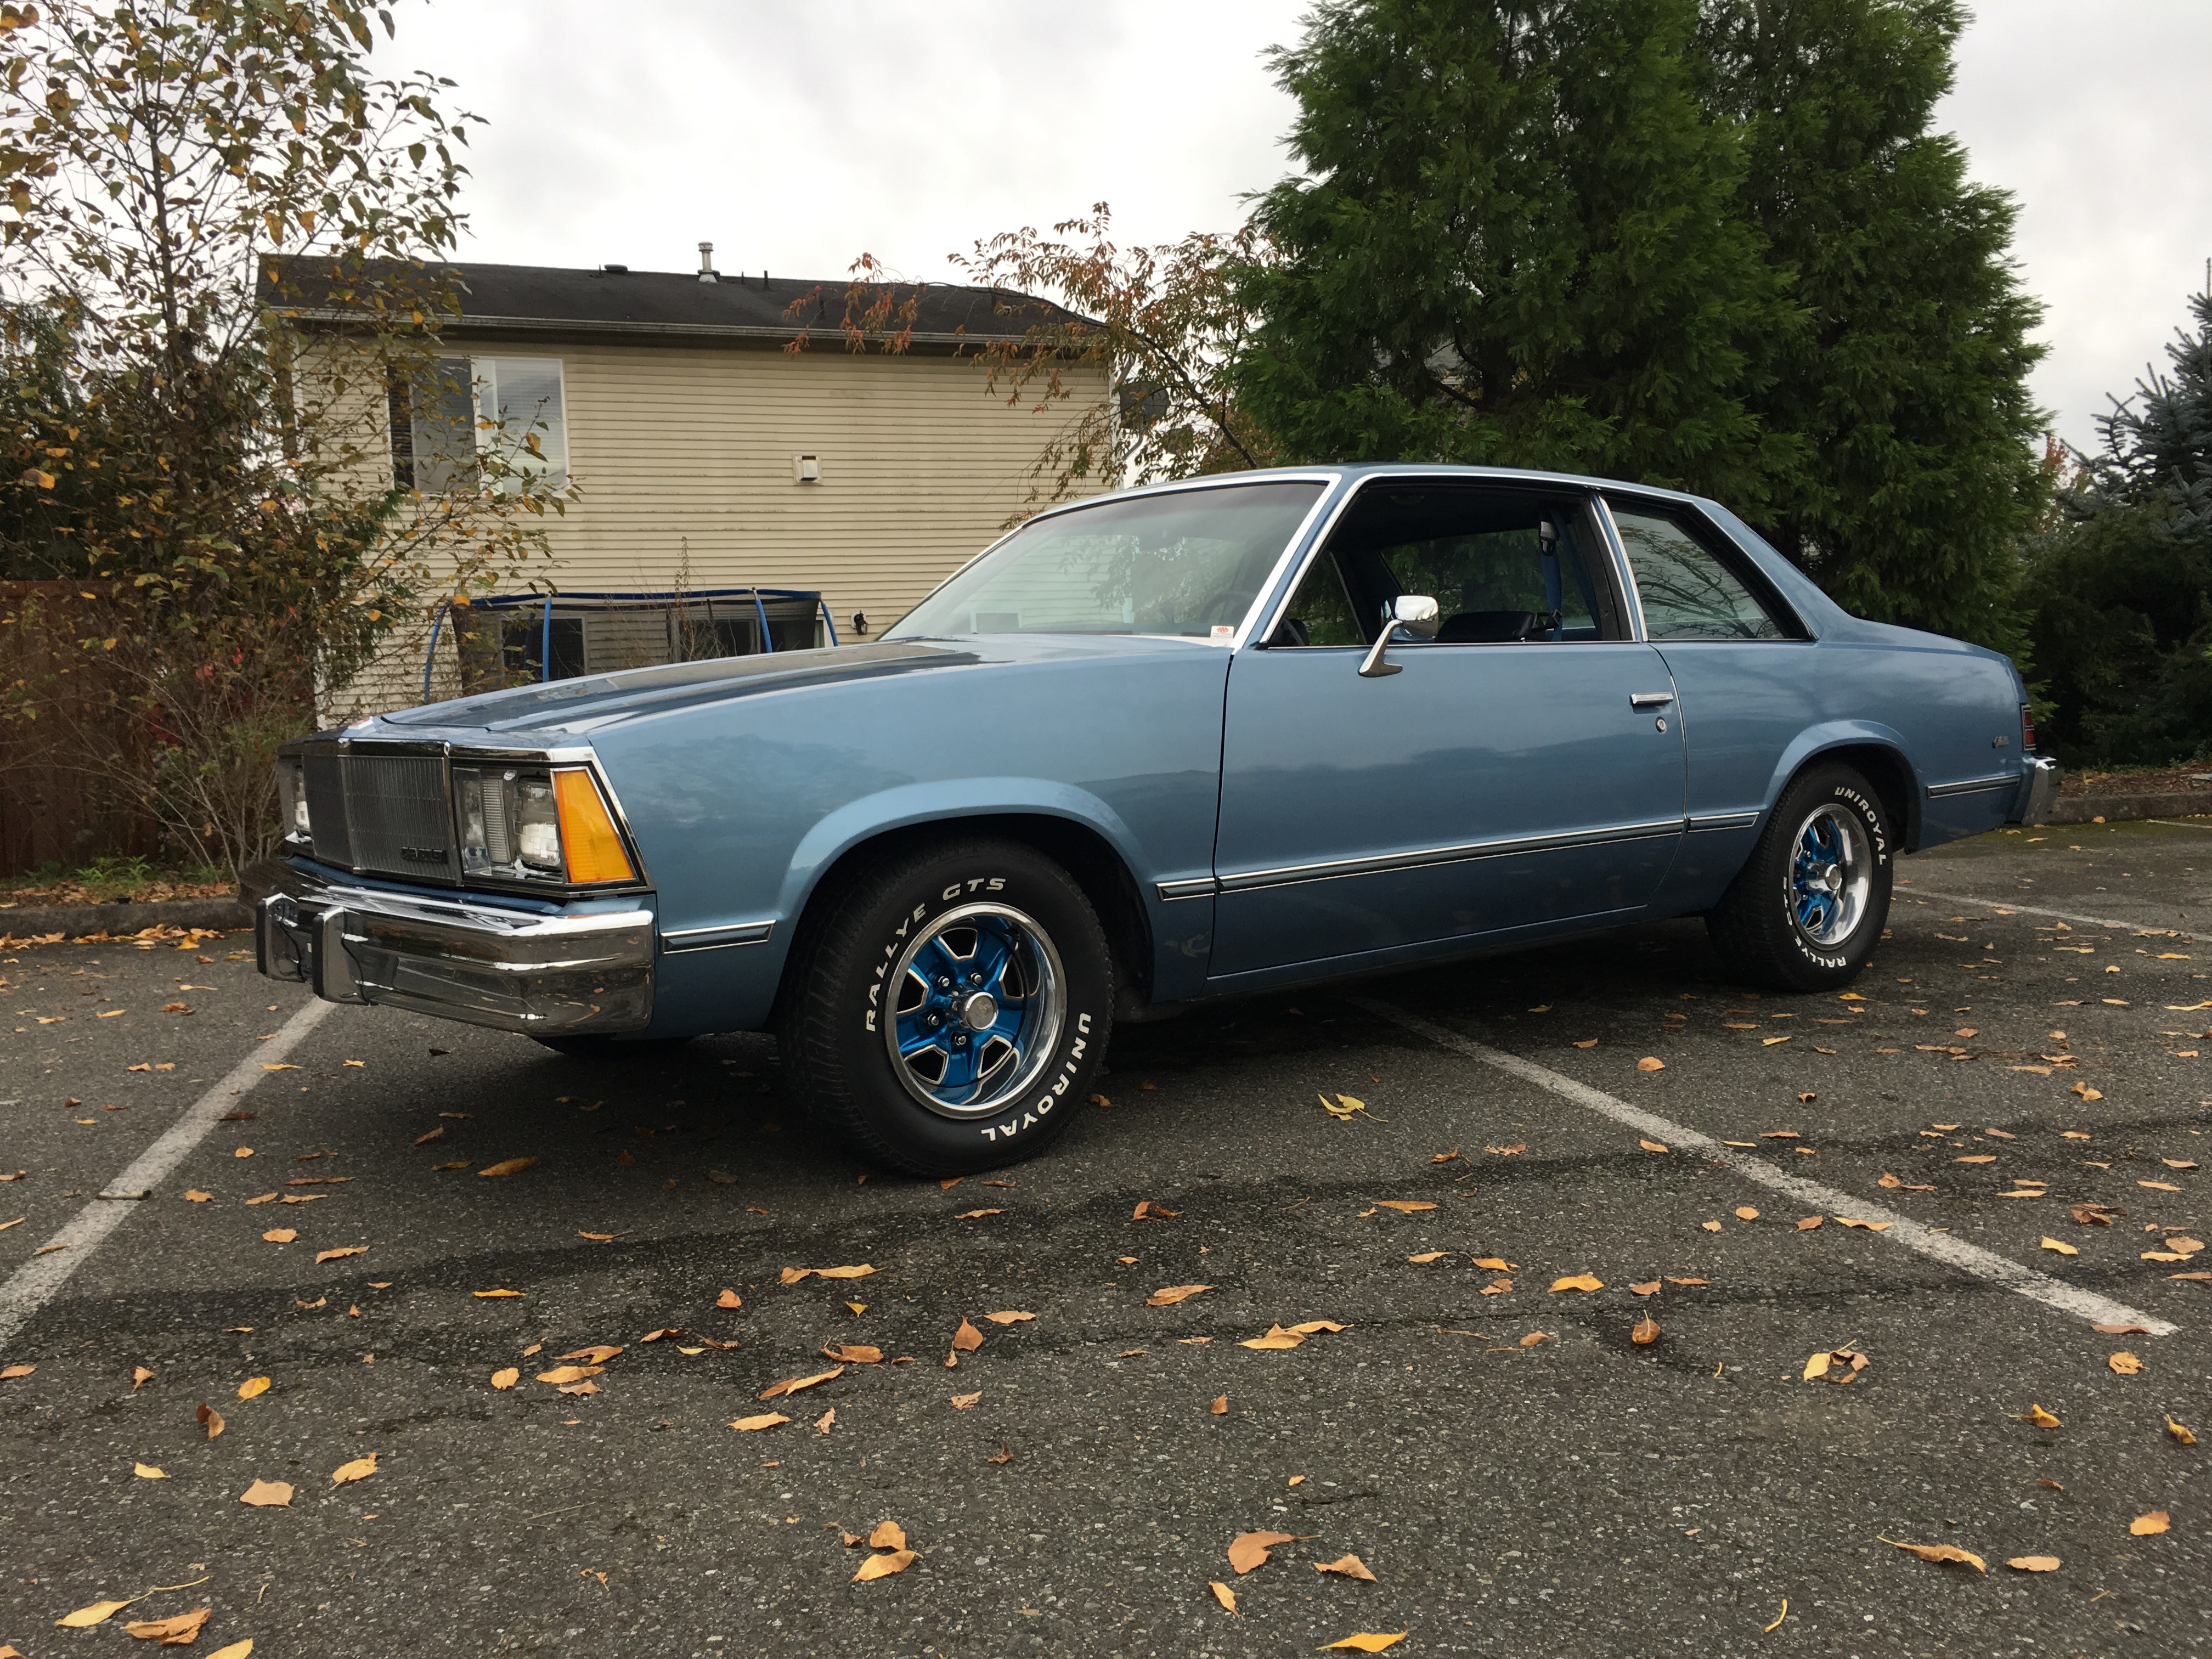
(1649, 1063)
(2060, 1245)
(1578, 1282)
(1222, 1593)
(148, 1472)
(506, 1378)
(2033, 1563)
(1942, 1552)
(882, 1566)
(793, 1384)
(236, 1651)
(360, 1469)
(1276, 1338)
(765, 1421)
(1363, 1641)
(2144, 1526)
(508, 1166)
(252, 1387)
(1171, 1294)
(2185, 1436)
(268, 1495)
(2042, 1418)
(85, 1617)
(1817, 1366)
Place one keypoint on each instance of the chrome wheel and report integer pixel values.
(1831, 875)
(978, 1000)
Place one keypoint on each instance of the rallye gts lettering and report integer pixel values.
(989, 884)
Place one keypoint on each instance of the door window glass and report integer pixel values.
(1687, 593)
(1503, 566)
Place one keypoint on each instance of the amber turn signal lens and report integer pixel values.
(589, 841)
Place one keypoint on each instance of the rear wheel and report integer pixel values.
(1807, 908)
(946, 1009)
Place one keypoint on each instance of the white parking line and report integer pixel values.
(1903, 1230)
(1906, 892)
(35, 1283)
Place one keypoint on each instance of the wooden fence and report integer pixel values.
(53, 808)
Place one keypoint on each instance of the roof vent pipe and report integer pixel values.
(706, 262)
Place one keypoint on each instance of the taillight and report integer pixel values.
(2027, 730)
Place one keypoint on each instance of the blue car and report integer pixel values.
(1168, 744)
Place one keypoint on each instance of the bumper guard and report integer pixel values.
(2039, 791)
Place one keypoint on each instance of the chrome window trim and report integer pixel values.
(1245, 881)
(1973, 786)
(1774, 602)
(1328, 480)
(1623, 572)
(1560, 484)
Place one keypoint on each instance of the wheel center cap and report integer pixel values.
(980, 1012)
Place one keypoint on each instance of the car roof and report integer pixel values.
(1351, 472)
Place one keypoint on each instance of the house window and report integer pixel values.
(510, 407)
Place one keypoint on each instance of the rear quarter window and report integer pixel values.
(1689, 590)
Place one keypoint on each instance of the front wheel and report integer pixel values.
(946, 1011)
(1807, 910)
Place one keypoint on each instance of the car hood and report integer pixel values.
(573, 709)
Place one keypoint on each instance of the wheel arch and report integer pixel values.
(1096, 865)
(1876, 753)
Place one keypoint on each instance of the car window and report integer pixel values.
(1687, 593)
(1503, 566)
(1185, 562)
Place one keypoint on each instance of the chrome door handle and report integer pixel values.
(1650, 699)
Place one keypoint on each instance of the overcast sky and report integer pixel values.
(795, 135)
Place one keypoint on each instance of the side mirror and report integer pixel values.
(1417, 615)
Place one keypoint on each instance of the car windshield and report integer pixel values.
(1188, 563)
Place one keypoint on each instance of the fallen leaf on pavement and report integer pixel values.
(2033, 1563)
(85, 1617)
(1004, 1456)
(193, 1196)
(1366, 1641)
(359, 1469)
(1221, 1406)
(1649, 1063)
(2125, 1363)
(506, 1378)
(236, 1651)
(597, 1354)
(2159, 1186)
(1975, 1157)
(967, 1339)
(1446, 1158)
(2187, 1437)
(1645, 1333)
(1578, 1282)
(1652, 1146)
(1518, 1147)
(1248, 1551)
(508, 1166)
(267, 1494)
(209, 1418)
(731, 1299)
(1649, 1288)
(1172, 1294)
(1587, 1042)
(1817, 1366)
(488, 1294)
(2059, 1245)
(279, 1236)
(1222, 1593)
(1426, 1256)
(1497, 1264)
(793, 1384)
(2144, 1525)
(1350, 1565)
(175, 1631)
(971, 1215)
(1711, 1226)
(1806, 1224)
(1671, 1279)
(855, 1353)
(149, 1472)
(252, 1387)
(1008, 1317)
(1745, 1212)
(1403, 1205)
(2042, 1418)
(342, 1251)
(1940, 1553)
(861, 1271)
(424, 1140)
(882, 1566)
(1499, 1287)
(961, 1402)
(765, 1421)
(1535, 1337)
(1276, 1338)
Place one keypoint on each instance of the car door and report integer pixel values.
(1740, 658)
(1521, 768)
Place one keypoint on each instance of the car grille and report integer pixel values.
(388, 813)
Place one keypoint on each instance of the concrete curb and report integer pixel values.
(74, 920)
(2124, 809)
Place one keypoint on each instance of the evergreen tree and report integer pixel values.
(2123, 626)
(1518, 242)
(1909, 384)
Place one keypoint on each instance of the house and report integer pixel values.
(712, 458)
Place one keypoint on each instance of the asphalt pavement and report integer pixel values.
(1519, 1474)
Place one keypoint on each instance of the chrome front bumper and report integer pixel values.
(460, 960)
(2039, 791)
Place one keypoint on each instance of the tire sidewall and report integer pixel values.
(1823, 964)
(862, 1000)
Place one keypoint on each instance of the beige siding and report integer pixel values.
(683, 450)
(685, 457)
